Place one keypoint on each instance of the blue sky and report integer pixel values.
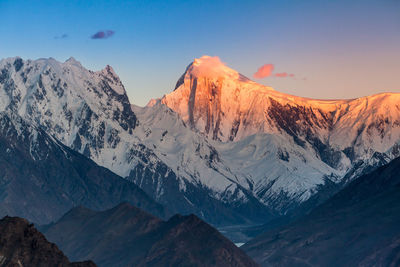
(335, 49)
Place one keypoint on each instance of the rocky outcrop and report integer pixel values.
(22, 245)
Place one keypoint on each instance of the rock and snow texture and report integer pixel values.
(220, 145)
(282, 143)
(41, 179)
(90, 112)
(226, 106)
(257, 166)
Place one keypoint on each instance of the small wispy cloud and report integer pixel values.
(63, 36)
(264, 71)
(283, 75)
(103, 34)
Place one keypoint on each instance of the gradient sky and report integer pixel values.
(334, 49)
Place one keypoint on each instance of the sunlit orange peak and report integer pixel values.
(212, 68)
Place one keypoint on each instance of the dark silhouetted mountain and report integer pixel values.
(358, 226)
(41, 179)
(22, 245)
(127, 236)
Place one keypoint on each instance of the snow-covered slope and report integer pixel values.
(198, 173)
(257, 165)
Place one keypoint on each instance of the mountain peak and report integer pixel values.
(210, 94)
(208, 67)
(73, 61)
(211, 67)
(109, 72)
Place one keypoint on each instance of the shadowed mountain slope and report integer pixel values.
(359, 226)
(42, 179)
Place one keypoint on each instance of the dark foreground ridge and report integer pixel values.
(359, 226)
(127, 236)
(22, 245)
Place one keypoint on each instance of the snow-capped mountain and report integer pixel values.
(224, 105)
(90, 113)
(284, 145)
(220, 145)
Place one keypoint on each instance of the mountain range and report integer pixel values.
(219, 145)
(128, 236)
(316, 176)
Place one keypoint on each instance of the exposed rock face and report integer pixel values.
(126, 236)
(41, 179)
(22, 245)
(356, 227)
